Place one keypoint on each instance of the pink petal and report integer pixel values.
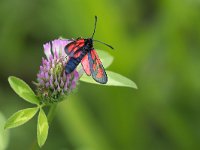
(47, 50)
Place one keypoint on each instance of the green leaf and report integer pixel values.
(4, 134)
(23, 90)
(42, 128)
(114, 79)
(20, 117)
(105, 58)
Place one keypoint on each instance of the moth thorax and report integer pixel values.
(89, 43)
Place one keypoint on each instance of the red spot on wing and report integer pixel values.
(72, 47)
(76, 55)
(94, 55)
(86, 65)
(94, 66)
(100, 73)
(97, 67)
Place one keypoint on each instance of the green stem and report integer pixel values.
(52, 113)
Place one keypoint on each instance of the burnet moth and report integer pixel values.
(82, 50)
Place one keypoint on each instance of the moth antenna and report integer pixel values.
(104, 44)
(95, 24)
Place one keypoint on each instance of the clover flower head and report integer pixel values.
(52, 81)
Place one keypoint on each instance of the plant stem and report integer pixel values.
(52, 112)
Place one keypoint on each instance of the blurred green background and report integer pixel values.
(157, 45)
